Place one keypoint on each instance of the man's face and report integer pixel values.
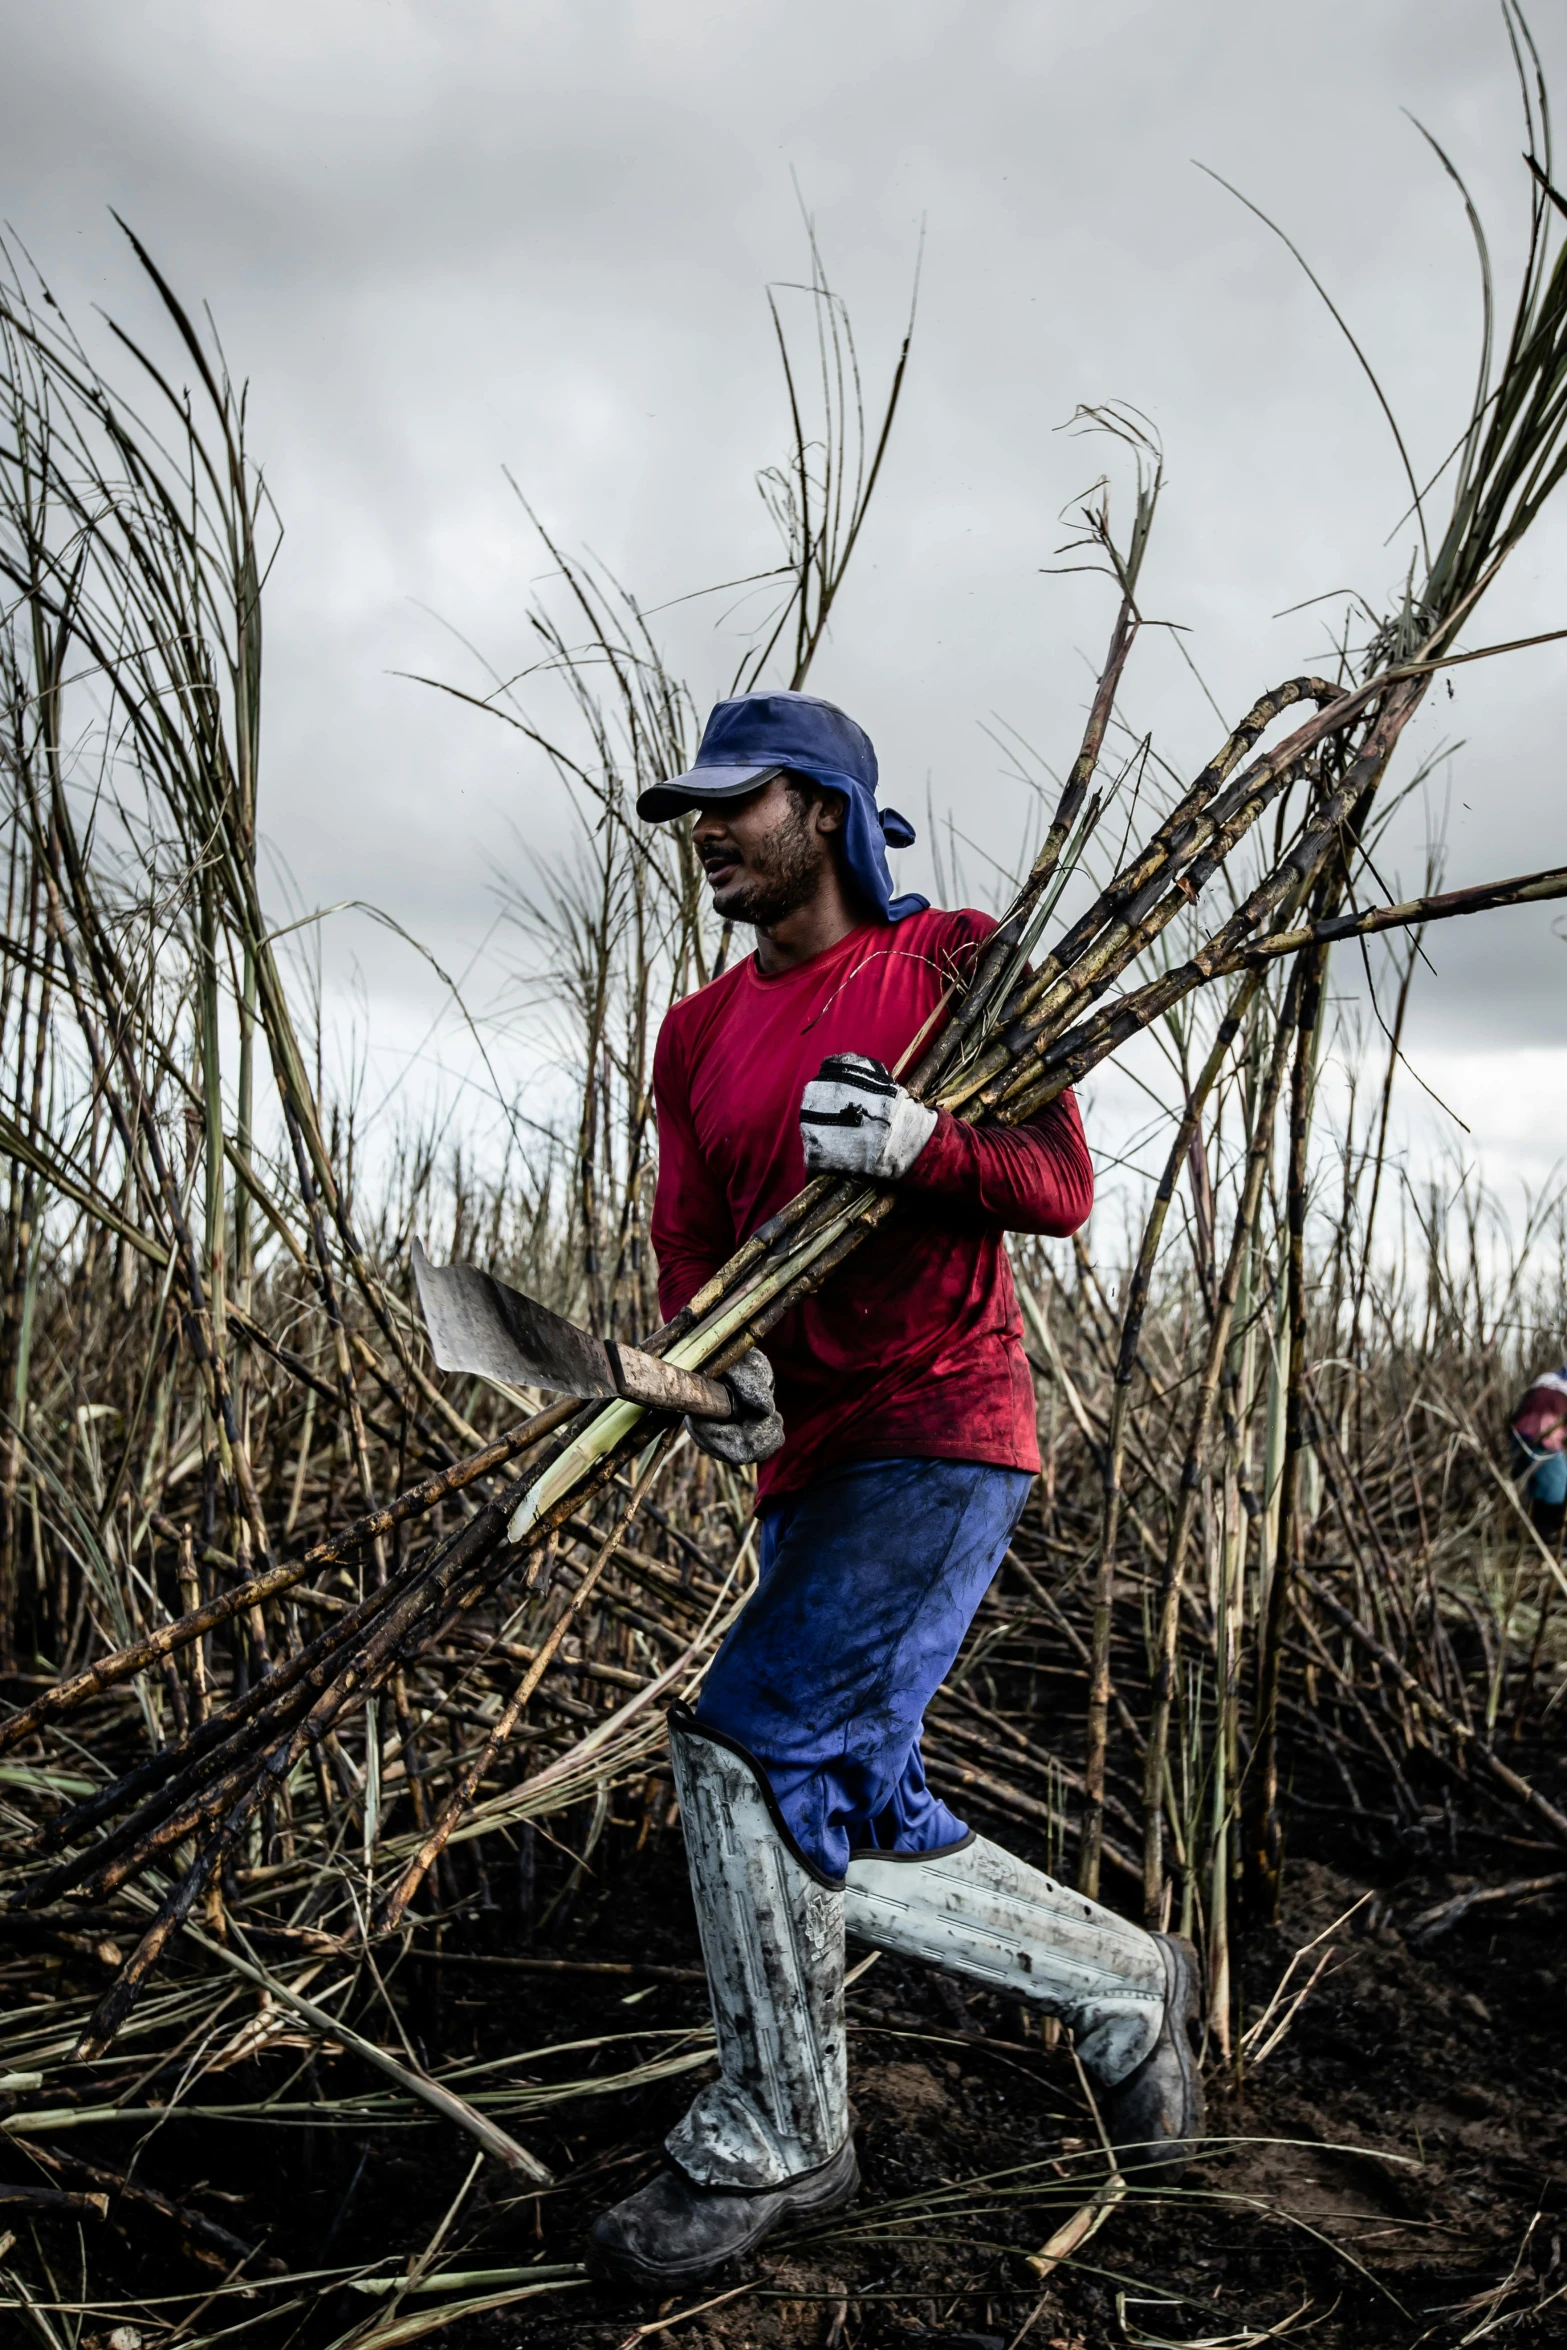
(765, 855)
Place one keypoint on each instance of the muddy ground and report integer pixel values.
(1394, 2171)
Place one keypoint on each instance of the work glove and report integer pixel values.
(855, 1119)
(757, 1430)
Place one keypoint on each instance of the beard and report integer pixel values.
(781, 877)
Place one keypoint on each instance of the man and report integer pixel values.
(892, 1423)
(1539, 1450)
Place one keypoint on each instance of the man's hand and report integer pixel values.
(756, 1432)
(855, 1119)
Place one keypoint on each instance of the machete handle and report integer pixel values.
(663, 1387)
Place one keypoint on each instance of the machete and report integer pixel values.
(481, 1325)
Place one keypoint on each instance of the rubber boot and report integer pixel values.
(1130, 1998)
(770, 2137)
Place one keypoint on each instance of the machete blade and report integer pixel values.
(478, 1324)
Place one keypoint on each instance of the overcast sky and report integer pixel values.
(448, 238)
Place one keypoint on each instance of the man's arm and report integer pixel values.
(856, 1119)
(1037, 1177)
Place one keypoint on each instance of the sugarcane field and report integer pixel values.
(774, 1572)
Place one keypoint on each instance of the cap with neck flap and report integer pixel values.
(754, 737)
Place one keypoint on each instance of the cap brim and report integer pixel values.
(698, 787)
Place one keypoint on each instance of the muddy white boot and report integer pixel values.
(770, 2137)
(1130, 1998)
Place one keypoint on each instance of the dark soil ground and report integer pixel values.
(1394, 2172)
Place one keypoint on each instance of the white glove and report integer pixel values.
(855, 1119)
(757, 1431)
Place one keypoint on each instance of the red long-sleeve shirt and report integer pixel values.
(916, 1346)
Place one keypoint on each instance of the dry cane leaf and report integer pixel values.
(1075, 2232)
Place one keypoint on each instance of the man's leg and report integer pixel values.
(1130, 1998)
(770, 2137)
(806, 1734)
(869, 1582)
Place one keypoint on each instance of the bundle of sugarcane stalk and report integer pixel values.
(1033, 1016)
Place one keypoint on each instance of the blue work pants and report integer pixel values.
(868, 1580)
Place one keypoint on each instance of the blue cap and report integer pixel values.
(754, 737)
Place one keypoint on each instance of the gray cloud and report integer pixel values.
(442, 239)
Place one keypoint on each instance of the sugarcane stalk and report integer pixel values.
(1264, 1841)
(1095, 942)
(1100, 1687)
(1264, 1838)
(62, 872)
(396, 1902)
(996, 973)
(203, 1770)
(121, 1996)
(417, 1501)
(1521, 889)
(1461, 1732)
(1063, 1061)
(312, 1690)
(190, 1595)
(248, 1785)
(1173, 1579)
(1175, 839)
(347, 1386)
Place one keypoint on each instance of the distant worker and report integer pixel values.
(893, 1421)
(1539, 1450)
